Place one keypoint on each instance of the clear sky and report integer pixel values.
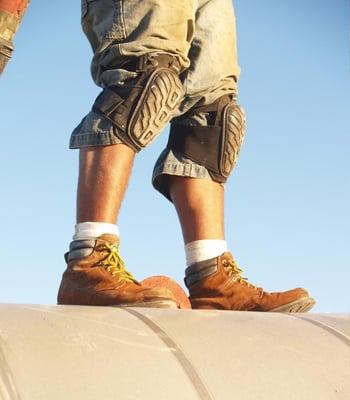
(287, 204)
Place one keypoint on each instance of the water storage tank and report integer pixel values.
(75, 352)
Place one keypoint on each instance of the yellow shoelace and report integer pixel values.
(115, 265)
(235, 272)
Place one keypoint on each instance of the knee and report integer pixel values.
(141, 107)
(216, 143)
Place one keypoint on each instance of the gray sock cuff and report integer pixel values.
(200, 270)
(81, 244)
(80, 249)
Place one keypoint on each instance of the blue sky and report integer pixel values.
(287, 203)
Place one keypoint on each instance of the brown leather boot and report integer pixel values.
(96, 276)
(217, 284)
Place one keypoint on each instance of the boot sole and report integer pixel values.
(301, 305)
(151, 304)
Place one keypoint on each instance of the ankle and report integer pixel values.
(201, 250)
(92, 230)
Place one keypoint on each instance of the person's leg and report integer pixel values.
(200, 206)
(137, 61)
(129, 47)
(195, 199)
(191, 171)
(103, 177)
(210, 92)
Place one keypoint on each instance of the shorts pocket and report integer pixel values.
(103, 20)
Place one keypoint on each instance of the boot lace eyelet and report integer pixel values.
(114, 265)
(235, 273)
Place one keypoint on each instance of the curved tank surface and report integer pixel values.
(77, 352)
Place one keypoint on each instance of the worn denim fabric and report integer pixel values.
(200, 33)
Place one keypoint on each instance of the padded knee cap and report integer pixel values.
(142, 107)
(215, 146)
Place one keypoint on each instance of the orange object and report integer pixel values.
(14, 7)
(168, 283)
(11, 13)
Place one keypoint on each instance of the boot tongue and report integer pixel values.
(233, 271)
(227, 261)
(230, 266)
(227, 256)
(111, 239)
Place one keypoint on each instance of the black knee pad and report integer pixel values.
(215, 146)
(141, 108)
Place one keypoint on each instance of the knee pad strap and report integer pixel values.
(216, 146)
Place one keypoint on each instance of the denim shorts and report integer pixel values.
(201, 34)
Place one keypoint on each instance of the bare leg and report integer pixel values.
(200, 207)
(95, 273)
(103, 177)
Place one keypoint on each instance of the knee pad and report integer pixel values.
(215, 146)
(142, 106)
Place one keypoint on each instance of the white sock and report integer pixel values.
(201, 250)
(89, 230)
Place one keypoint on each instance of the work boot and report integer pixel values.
(96, 276)
(218, 284)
